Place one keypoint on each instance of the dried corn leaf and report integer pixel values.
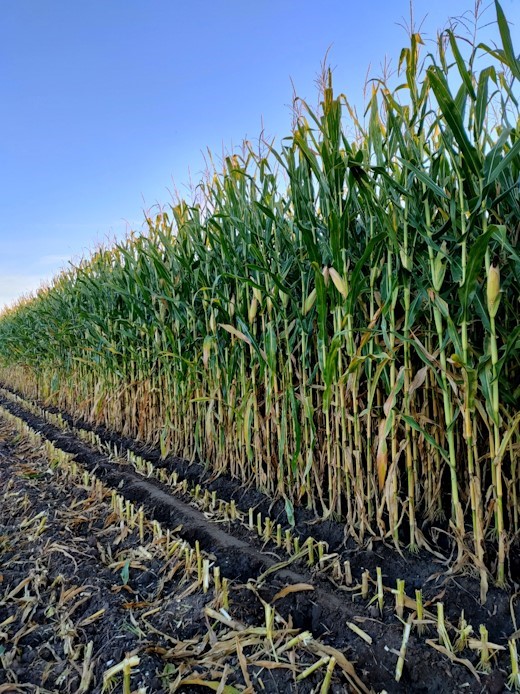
(347, 667)
(453, 657)
(294, 588)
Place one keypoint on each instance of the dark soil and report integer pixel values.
(54, 579)
(326, 610)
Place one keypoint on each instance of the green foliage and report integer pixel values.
(292, 335)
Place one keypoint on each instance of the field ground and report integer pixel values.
(87, 581)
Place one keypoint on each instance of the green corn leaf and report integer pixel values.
(461, 65)
(454, 119)
(289, 511)
(424, 178)
(495, 164)
(482, 101)
(508, 51)
(125, 572)
(417, 427)
(474, 268)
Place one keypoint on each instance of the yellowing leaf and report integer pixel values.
(233, 331)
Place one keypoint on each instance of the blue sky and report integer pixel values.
(109, 105)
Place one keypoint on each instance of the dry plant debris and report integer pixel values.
(87, 603)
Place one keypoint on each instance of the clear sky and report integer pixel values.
(108, 105)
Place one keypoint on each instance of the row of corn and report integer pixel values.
(334, 319)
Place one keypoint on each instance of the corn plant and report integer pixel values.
(334, 319)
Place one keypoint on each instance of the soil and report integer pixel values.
(242, 557)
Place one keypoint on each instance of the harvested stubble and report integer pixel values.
(348, 342)
(83, 520)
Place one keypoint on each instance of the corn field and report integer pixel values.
(334, 319)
